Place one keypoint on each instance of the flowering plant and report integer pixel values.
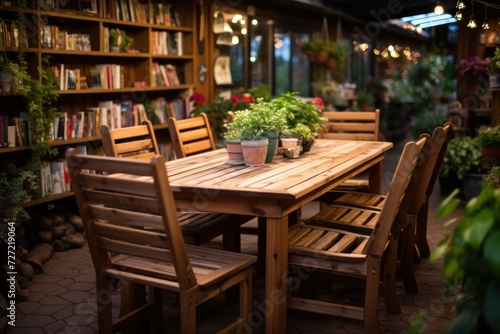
(489, 136)
(473, 66)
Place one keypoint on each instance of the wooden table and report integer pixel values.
(205, 182)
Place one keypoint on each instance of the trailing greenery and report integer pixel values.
(16, 187)
(471, 262)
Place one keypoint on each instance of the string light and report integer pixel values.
(486, 23)
(460, 5)
(458, 15)
(472, 22)
(438, 9)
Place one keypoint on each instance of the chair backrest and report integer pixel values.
(191, 136)
(409, 163)
(128, 209)
(351, 125)
(425, 175)
(138, 142)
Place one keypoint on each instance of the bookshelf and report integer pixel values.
(150, 75)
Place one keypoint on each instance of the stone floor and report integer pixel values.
(62, 299)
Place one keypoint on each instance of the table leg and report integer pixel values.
(375, 178)
(276, 270)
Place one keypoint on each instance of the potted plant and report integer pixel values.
(489, 139)
(233, 145)
(471, 264)
(492, 178)
(115, 39)
(336, 55)
(262, 120)
(312, 48)
(365, 101)
(462, 167)
(474, 70)
(297, 112)
(494, 67)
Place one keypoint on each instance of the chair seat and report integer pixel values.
(210, 266)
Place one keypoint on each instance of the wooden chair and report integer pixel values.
(191, 135)
(128, 213)
(357, 257)
(358, 211)
(351, 125)
(198, 227)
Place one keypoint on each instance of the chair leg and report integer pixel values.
(246, 300)
(421, 231)
(408, 247)
(104, 306)
(188, 313)
(389, 278)
(370, 317)
(231, 238)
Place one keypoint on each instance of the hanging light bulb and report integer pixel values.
(486, 23)
(472, 22)
(438, 9)
(458, 15)
(460, 5)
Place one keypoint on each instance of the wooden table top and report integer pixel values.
(284, 178)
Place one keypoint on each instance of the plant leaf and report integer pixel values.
(440, 249)
(491, 306)
(466, 319)
(479, 227)
(448, 205)
(491, 250)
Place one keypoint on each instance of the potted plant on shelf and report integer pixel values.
(494, 66)
(471, 264)
(489, 139)
(462, 167)
(474, 70)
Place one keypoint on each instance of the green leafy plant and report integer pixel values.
(300, 130)
(471, 262)
(336, 51)
(427, 120)
(463, 155)
(489, 136)
(364, 97)
(494, 62)
(492, 178)
(16, 188)
(261, 117)
(299, 111)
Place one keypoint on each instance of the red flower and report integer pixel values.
(197, 97)
(248, 98)
(234, 99)
(319, 103)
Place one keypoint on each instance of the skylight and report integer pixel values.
(423, 21)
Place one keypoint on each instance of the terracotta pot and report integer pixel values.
(333, 63)
(254, 151)
(322, 56)
(491, 156)
(289, 142)
(234, 152)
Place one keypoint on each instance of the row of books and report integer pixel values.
(167, 43)
(55, 38)
(108, 76)
(69, 79)
(16, 131)
(54, 175)
(9, 35)
(160, 12)
(165, 75)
